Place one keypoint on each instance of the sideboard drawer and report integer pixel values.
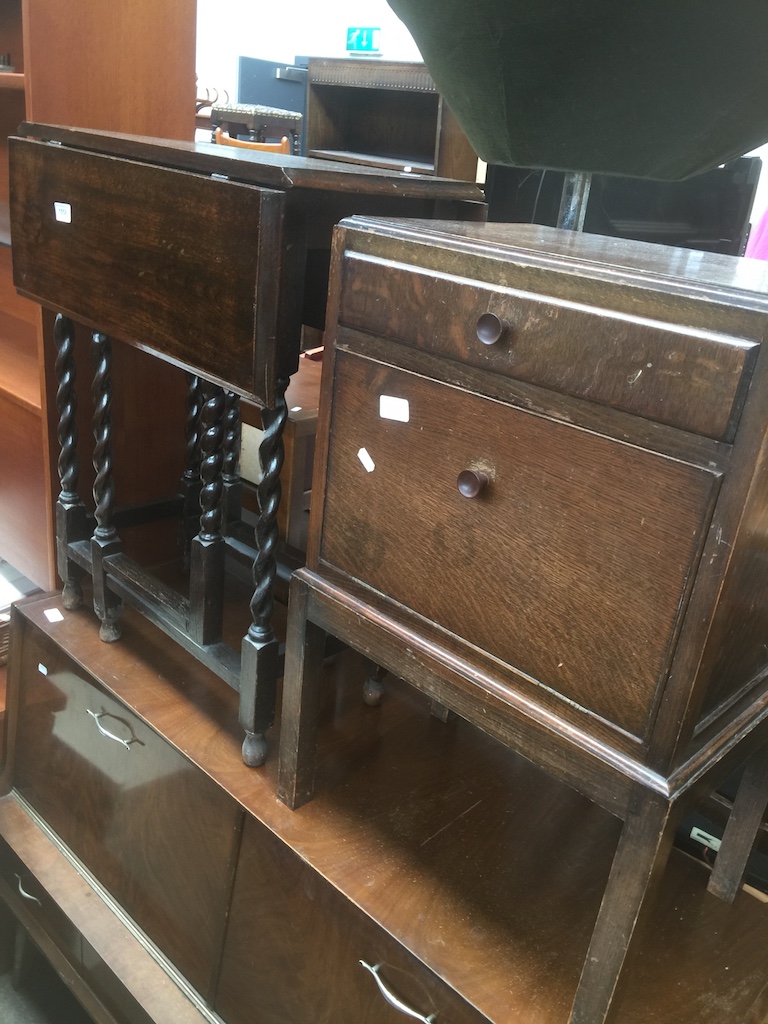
(571, 566)
(154, 830)
(294, 946)
(25, 891)
(683, 376)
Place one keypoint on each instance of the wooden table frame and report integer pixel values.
(215, 243)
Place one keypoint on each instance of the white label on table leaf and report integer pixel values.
(63, 212)
(366, 460)
(53, 615)
(42, 669)
(391, 408)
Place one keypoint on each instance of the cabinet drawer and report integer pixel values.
(25, 891)
(156, 832)
(688, 378)
(294, 946)
(571, 566)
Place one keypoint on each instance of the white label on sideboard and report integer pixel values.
(63, 212)
(394, 408)
(53, 615)
(42, 669)
(366, 460)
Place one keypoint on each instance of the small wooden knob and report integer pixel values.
(471, 482)
(491, 328)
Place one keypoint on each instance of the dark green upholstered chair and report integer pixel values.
(649, 88)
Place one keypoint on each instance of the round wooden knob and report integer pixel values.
(491, 328)
(471, 482)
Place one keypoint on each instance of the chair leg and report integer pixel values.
(304, 655)
(638, 863)
(741, 830)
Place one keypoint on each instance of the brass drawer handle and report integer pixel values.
(97, 716)
(27, 895)
(471, 482)
(393, 1000)
(491, 328)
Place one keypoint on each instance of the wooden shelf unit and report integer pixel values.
(384, 114)
(97, 68)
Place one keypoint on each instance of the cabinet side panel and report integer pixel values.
(131, 65)
(24, 537)
(736, 657)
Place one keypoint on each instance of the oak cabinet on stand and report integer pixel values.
(539, 498)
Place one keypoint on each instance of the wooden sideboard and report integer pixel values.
(173, 885)
(540, 497)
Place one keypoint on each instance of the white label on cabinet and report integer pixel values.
(366, 460)
(53, 615)
(42, 669)
(63, 212)
(394, 408)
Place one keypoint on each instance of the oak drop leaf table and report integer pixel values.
(206, 257)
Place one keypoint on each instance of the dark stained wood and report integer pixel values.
(608, 552)
(744, 821)
(386, 114)
(431, 831)
(108, 231)
(126, 963)
(122, 263)
(275, 170)
(141, 810)
(692, 379)
(486, 601)
(294, 947)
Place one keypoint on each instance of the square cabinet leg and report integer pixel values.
(304, 653)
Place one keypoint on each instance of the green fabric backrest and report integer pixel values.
(649, 88)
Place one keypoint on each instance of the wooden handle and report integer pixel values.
(491, 328)
(471, 482)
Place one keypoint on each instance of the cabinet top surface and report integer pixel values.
(271, 170)
(725, 278)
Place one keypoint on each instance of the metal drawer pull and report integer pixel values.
(97, 716)
(393, 1000)
(27, 895)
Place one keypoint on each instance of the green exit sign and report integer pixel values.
(365, 40)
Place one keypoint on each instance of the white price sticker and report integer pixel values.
(62, 213)
(391, 408)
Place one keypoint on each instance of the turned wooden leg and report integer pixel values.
(105, 541)
(71, 518)
(206, 568)
(232, 500)
(638, 863)
(373, 687)
(260, 663)
(304, 655)
(741, 830)
(190, 480)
